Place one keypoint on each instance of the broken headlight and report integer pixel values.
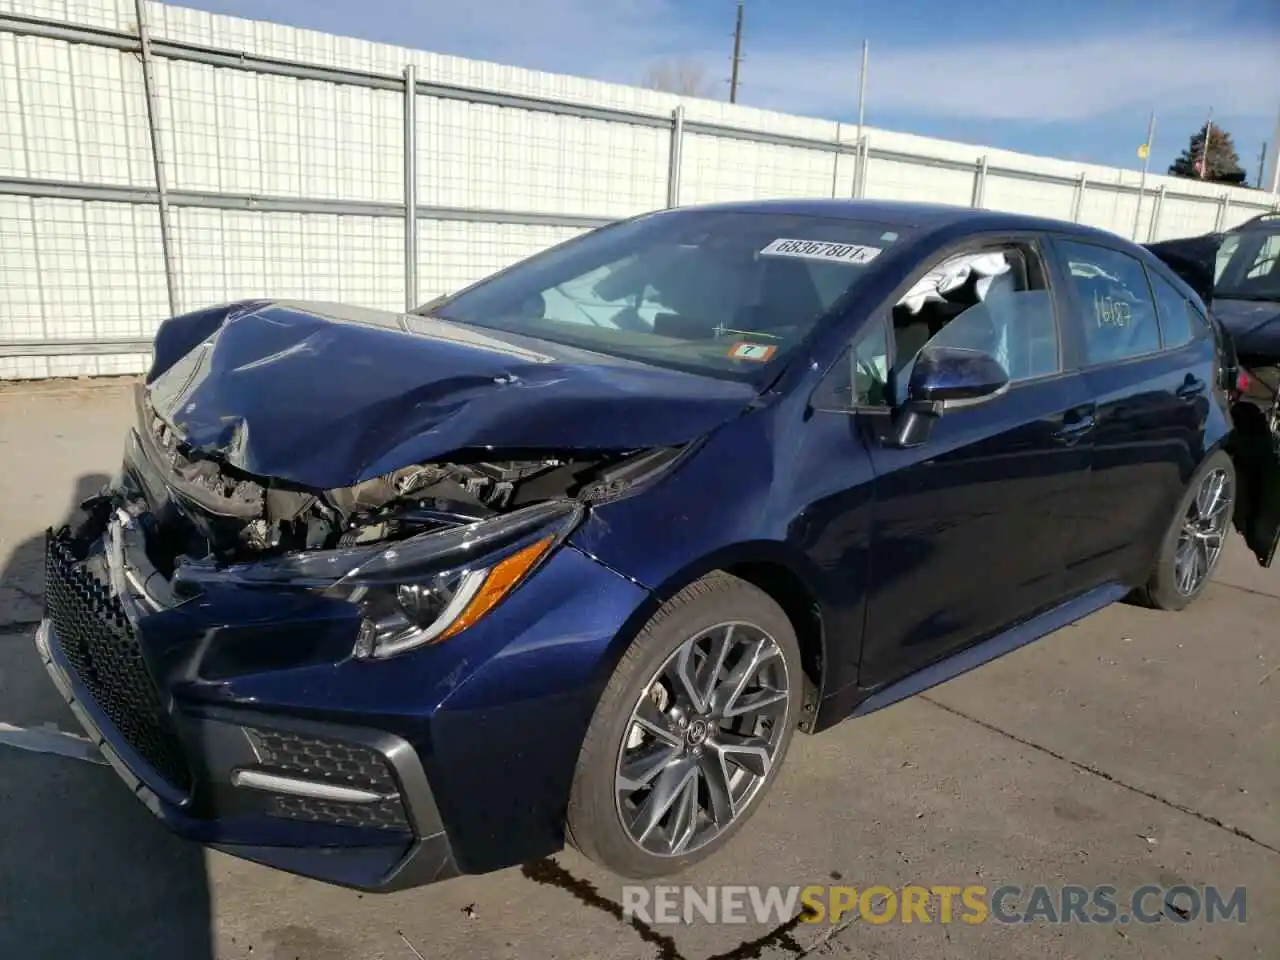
(402, 616)
(422, 590)
(429, 588)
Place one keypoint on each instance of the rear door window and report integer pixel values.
(1116, 308)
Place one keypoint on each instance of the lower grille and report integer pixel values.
(382, 815)
(98, 642)
(330, 761)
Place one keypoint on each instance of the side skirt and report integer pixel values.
(860, 701)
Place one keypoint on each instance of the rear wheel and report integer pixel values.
(1193, 544)
(690, 731)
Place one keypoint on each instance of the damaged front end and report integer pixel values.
(423, 552)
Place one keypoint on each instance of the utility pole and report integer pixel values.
(1262, 164)
(1204, 147)
(1146, 163)
(862, 87)
(737, 56)
(858, 169)
(1275, 160)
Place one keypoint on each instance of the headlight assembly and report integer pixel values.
(402, 616)
(418, 591)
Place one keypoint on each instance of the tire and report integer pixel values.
(1164, 591)
(641, 696)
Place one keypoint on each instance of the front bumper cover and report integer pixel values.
(407, 861)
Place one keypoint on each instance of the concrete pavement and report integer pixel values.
(1132, 748)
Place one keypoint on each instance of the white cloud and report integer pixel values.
(1051, 80)
(608, 39)
(1108, 66)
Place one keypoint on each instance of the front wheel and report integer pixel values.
(1193, 544)
(690, 731)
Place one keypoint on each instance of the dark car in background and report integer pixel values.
(1238, 274)
(570, 555)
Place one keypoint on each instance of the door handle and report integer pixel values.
(1191, 388)
(1072, 432)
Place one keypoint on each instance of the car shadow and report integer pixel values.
(86, 870)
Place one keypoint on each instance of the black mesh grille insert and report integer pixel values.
(382, 815)
(330, 761)
(98, 642)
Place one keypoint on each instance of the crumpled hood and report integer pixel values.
(326, 396)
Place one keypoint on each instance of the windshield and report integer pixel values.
(723, 293)
(1246, 267)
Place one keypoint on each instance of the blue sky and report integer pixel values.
(1074, 80)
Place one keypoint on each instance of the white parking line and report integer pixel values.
(50, 740)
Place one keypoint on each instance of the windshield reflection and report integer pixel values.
(724, 293)
(1246, 266)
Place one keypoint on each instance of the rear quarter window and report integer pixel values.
(1177, 326)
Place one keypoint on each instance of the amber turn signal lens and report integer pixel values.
(502, 580)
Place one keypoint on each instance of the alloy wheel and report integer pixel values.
(702, 739)
(1204, 530)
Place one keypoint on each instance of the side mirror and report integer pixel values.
(946, 378)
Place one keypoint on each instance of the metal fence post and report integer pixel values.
(857, 166)
(1153, 228)
(157, 157)
(410, 188)
(1077, 204)
(835, 165)
(675, 157)
(861, 160)
(864, 166)
(1224, 204)
(980, 183)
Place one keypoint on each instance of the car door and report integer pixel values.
(967, 526)
(1153, 400)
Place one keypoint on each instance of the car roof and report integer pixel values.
(922, 216)
(1264, 221)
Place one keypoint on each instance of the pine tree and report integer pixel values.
(1223, 163)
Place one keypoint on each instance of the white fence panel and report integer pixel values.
(718, 169)
(453, 254)
(901, 180)
(487, 157)
(284, 152)
(1039, 198)
(230, 255)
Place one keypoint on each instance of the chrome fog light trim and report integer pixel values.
(295, 786)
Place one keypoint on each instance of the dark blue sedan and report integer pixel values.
(571, 554)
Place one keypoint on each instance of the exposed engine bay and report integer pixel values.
(203, 508)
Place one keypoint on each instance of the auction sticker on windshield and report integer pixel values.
(821, 250)
(759, 352)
